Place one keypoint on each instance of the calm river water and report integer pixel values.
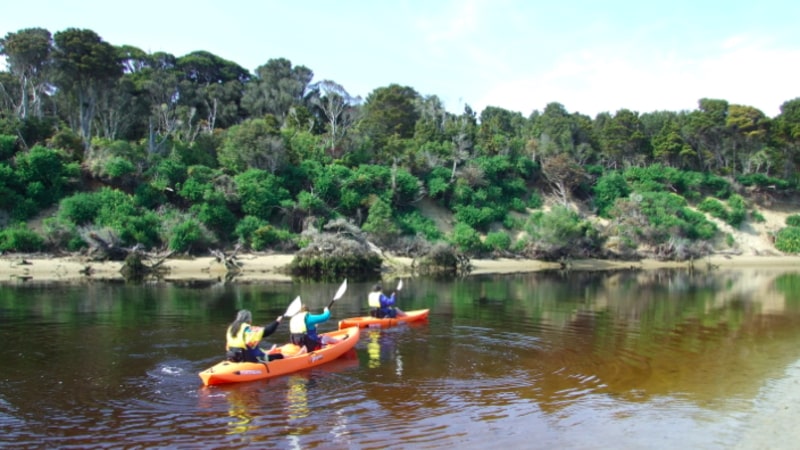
(658, 360)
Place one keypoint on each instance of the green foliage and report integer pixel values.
(793, 220)
(267, 236)
(62, 234)
(8, 146)
(438, 183)
(714, 207)
(379, 222)
(187, 235)
(261, 193)
(215, 214)
(761, 180)
(20, 238)
(246, 228)
(787, 239)
(497, 241)
(116, 210)
(466, 238)
(607, 190)
(535, 200)
(414, 223)
(560, 232)
(45, 175)
(756, 216)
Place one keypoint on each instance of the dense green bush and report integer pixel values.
(607, 190)
(787, 240)
(466, 239)
(414, 223)
(497, 241)
(793, 220)
(269, 237)
(20, 238)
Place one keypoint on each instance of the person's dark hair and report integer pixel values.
(377, 287)
(242, 317)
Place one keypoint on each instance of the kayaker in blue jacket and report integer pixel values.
(303, 328)
(242, 339)
(380, 305)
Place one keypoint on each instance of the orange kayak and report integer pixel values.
(231, 372)
(374, 322)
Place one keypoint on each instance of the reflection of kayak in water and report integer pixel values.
(230, 372)
(386, 322)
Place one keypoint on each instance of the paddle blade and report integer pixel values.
(339, 293)
(294, 307)
(399, 285)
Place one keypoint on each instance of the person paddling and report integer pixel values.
(380, 305)
(242, 339)
(303, 329)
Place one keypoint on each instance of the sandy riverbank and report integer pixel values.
(269, 267)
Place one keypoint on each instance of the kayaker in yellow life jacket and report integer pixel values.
(303, 328)
(380, 305)
(242, 339)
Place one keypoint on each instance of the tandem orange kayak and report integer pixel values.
(231, 372)
(374, 322)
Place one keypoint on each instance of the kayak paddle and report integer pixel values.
(294, 307)
(339, 293)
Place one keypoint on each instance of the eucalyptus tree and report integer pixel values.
(210, 92)
(276, 88)
(341, 110)
(160, 80)
(123, 110)
(27, 55)
(85, 67)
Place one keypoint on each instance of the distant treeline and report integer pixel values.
(111, 143)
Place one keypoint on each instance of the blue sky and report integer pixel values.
(515, 54)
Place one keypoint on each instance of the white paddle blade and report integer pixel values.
(341, 290)
(400, 285)
(294, 307)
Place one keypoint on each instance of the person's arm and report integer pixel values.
(269, 329)
(313, 319)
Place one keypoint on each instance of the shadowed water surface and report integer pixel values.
(658, 359)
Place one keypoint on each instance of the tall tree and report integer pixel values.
(86, 66)
(338, 107)
(389, 112)
(276, 87)
(27, 53)
(747, 129)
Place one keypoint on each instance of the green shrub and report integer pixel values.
(20, 238)
(497, 241)
(793, 220)
(466, 238)
(415, 223)
(787, 240)
(268, 236)
(714, 207)
(186, 235)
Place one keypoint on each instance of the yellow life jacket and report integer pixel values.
(298, 323)
(247, 336)
(374, 299)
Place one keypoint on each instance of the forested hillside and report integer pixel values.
(103, 142)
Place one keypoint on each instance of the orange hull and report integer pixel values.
(230, 372)
(374, 322)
